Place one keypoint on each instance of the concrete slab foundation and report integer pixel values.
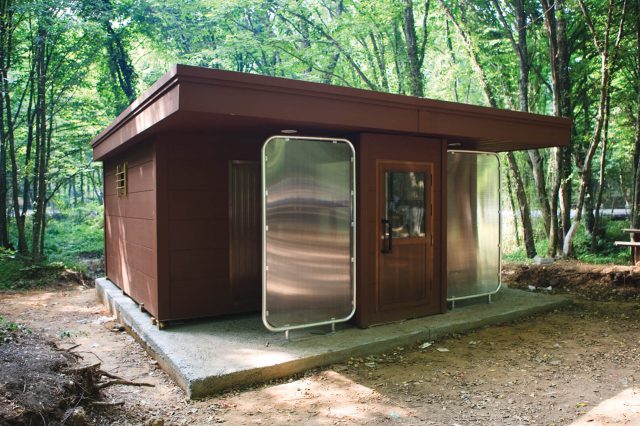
(208, 356)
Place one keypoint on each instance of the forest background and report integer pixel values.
(68, 67)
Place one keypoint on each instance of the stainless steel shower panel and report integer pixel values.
(473, 224)
(309, 232)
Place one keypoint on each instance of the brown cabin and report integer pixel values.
(184, 177)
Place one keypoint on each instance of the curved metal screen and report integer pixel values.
(309, 226)
(473, 224)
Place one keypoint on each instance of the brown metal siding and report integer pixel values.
(130, 227)
(194, 178)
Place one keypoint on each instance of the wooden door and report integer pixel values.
(245, 245)
(405, 243)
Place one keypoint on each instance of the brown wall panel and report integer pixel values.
(190, 204)
(193, 177)
(142, 231)
(114, 270)
(141, 205)
(138, 205)
(130, 226)
(196, 264)
(145, 289)
(113, 229)
(109, 183)
(141, 177)
(185, 305)
(194, 173)
(114, 206)
(193, 234)
(140, 258)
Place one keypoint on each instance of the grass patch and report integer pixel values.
(605, 252)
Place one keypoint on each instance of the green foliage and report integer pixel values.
(10, 269)
(76, 233)
(103, 53)
(17, 272)
(606, 251)
(518, 253)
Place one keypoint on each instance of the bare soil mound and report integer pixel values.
(39, 383)
(594, 282)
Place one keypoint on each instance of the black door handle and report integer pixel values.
(387, 244)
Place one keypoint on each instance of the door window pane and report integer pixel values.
(405, 203)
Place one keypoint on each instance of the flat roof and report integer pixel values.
(196, 98)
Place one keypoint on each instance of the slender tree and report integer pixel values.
(607, 57)
(473, 51)
(8, 126)
(555, 23)
(517, 35)
(635, 206)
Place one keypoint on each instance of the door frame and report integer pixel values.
(371, 149)
(383, 166)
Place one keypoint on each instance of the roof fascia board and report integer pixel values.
(394, 112)
(151, 95)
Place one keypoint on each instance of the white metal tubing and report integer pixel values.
(489, 294)
(333, 321)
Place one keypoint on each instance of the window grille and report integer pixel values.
(121, 180)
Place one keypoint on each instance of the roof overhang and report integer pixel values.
(201, 98)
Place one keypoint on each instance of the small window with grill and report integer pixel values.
(121, 179)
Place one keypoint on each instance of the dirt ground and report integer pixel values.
(593, 282)
(576, 365)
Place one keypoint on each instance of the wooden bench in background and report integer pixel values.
(633, 244)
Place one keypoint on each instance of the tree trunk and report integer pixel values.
(537, 168)
(416, 85)
(381, 63)
(589, 207)
(520, 48)
(522, 51)
(562, 106)
(396, 58)
(333, 63)
(635, 206)
(605, 72)
(554, 224)
(81, 188)
(6, 9)
(523, 56)
(525, 214)
(96, 187)
(120, 64)
(513, 209)
(603, 157)
(40, 191)
(4, 231)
